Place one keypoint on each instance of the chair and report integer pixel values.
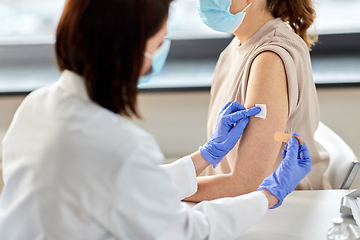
(343, 164)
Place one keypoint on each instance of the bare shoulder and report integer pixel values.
(268, 63)
(267, 80)
(268, 57)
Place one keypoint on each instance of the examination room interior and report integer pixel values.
(176, 102)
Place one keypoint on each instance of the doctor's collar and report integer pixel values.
(73, 84)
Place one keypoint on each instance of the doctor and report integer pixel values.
(76, 168)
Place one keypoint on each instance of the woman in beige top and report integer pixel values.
(267, 62)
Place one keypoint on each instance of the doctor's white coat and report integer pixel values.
(74, 170)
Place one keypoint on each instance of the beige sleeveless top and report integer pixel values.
(230, 84)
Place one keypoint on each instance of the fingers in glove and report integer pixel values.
(304, 151)
(232, 118)
(234, 107)
(293, 142)
(252, 111)
(225, 107)
(236, 131)
(305, 164)
(223, 110)
(294, 133)
(242, 114)
(284, 154)
(293, 148)
(305, 159)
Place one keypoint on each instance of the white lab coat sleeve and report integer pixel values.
(146, 205)
(225, 218)
(183, 175)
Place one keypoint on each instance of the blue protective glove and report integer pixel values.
(231, 122)
(295, 166)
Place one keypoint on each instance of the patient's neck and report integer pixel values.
(253, 21)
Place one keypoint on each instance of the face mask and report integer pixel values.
(216, 14)
(158, 60)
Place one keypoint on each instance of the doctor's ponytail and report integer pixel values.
(300, 15)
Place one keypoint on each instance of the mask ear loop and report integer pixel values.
(148, 55)
(246, 7)
(164, 46)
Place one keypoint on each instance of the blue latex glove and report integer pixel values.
(231, 122)
(295, 166)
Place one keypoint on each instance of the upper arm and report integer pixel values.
(258, 151)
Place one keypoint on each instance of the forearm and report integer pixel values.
(199, 162)
(207, 191)
(224, 185)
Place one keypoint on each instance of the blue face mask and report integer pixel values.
(158, 60)
(216, 14)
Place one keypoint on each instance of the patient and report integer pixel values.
(267, 62)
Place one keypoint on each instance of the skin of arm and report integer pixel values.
(258, 151)
(200, 164)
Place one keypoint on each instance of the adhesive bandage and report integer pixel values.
(284, 137)
(262, 113)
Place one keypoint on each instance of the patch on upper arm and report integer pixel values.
(284, 137)
(262, 113)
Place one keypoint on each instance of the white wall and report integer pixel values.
(178, 120)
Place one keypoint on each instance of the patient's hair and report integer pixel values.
(300, 15)
(104, 41)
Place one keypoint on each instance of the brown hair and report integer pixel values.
(104, 41)
(300, 15)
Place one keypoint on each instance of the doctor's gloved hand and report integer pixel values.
(295, 166)
(231, 122)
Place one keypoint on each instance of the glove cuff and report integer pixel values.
(271, 190)
(209, 157)
(274, 188)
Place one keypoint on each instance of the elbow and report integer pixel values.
(244, 184)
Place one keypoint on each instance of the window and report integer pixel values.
(28, 26)
(25, 21)
(337, 53)
(35, 21)
(337, 16)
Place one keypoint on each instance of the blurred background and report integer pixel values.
(34, 21)
(175, 103)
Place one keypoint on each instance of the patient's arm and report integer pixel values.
(200, 164)
(257, 153)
